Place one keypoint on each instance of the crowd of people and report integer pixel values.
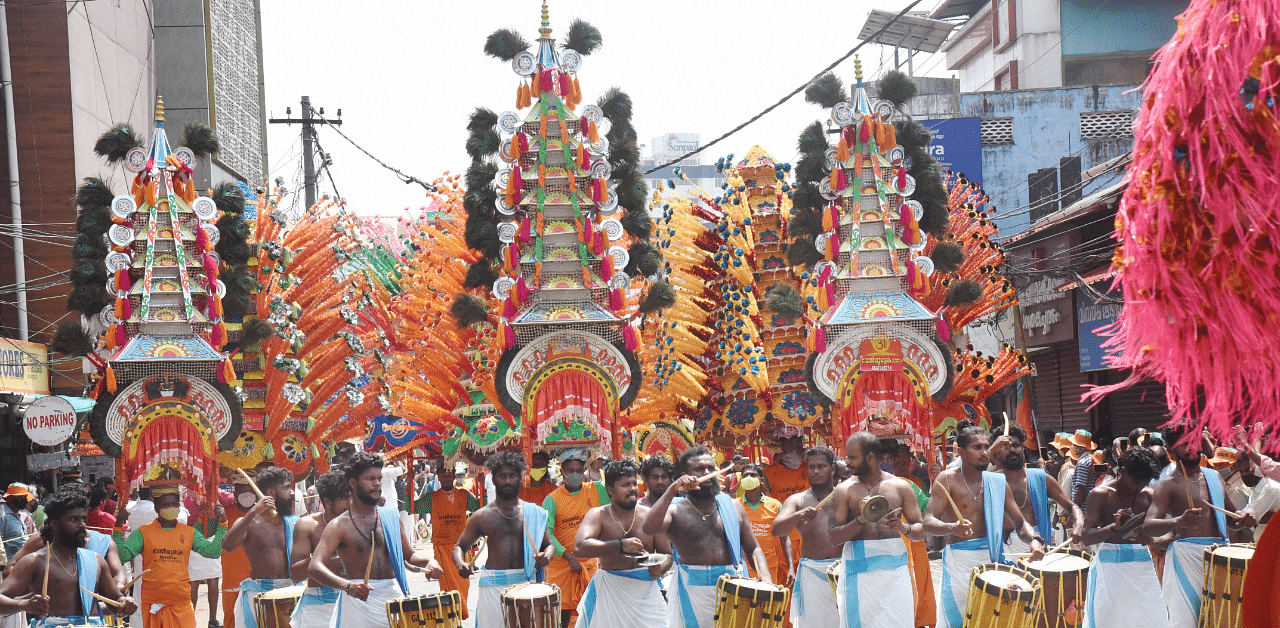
(645, 544)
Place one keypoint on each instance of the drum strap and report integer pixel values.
(1038, 493)
(993, 499)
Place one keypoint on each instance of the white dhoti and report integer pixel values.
(958, 561)
(315, 608)
(251, 590)
(489, 606)
(1122, 589)
(813, 603)
(1184, 580)
(623, 599)
(1015, 545)
(58, 622)
(370, 613)
(693, 603)
(200, 568)
(875, 586)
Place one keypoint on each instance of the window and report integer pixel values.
(1097, 125)
(996, 131)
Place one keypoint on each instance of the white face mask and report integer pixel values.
(246, 500)
(790, 460)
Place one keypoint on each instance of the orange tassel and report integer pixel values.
(111, 380)
(593, 132)
(110, 339)
(890, 137)
(520, 96)
(842, 151)
(577, 91)
(228, 371)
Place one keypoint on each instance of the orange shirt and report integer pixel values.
(235, 564)
(537, 494)
(568, 509)
(449, 510)
(784, 482)
(165, 553)
(761, 518)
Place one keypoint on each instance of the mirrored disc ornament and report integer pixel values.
(503, 208)
(609, 205)
(108, 316)
(603, 125)
(136, 159)
(919, 246)
(620, 256)
(185, 155)
(601, 169)
(896, 155)
(204, 207)
(570, 60)
(508, 122)
(120, 235)
(917, 209)
(592, 112)
(501, 179)
(122, 206)
(612, 228)
(524, 63)
(507, 231)
(831, 158)
(212, 233)
(821, 267)
(502, 287)
(111, 288)
(842, 114)
(504, 150)
(600, 147)
(924, 265)
(909, 188)
(222, 290)
(117, 261)
(820, 242)
(884, 108)
(824, 188)
(620, 280)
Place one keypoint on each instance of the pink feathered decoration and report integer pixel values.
(1199, 224)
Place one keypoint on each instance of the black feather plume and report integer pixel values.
(232, 228)
(89, 299)
(72, 339)
(480, 275)
(228, 198)
(94, 193)
(89, 247)
(93, 221)
(805, 224)
(616, 105)
(784, 300)
(645, 260)
(947, 257)
(582, 37)
(637, 223)
(813, 140)
(825, 91)
(91, 272)
(811, 168)
(802, 252)
(117, 142)
(240, 284)
(913, 137)
(896, 88)
(932, 196)
(660, 296)
(483, 143)
(200, 139)
(482, 235)
(253, 331)
(807, 197)
(480, 175)
(505, 44)
(481, 119)
(468, 310)
(963, 292)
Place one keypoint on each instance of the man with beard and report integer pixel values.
(981, 497)
(315, 608)
(787, 475)
(1032, 489)
(1177, 508)
(566, 506)
(449, 508)
(813, 603)
(621, 594)
(1123, 589)
(371, 538)
(761, 511)
(165, 547)
(266, 532)
(539, 484)
(63, 570)
(710, 534)
(875, 581)
(512, 528)
(657, 471)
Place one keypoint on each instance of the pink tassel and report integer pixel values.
(522, 290)
(820, 339)
(215, 337)
(546, 82)
(526, 229)
(127, 306)
(902, 178)
(523, 139)
(597, 189)
(565, 87)
(508, 308)
(121, 337)
(615, 299)
(122, 281)
(210, 266)
(606, 268)
(202, 239)
(584, 161)
(630, 338)
(597, 247)
(517, 181)
(944, 332)
(825, 275)
(831, 292)
(841, 181)
(508, 335)
(864, 130)
(911, 271)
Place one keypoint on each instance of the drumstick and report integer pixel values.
(136, 579)
(48, 553)
(1224, 511)
(103, 599)
(715, 474)
(825, 500)
(373, 544)
(954, 507)
(19, 538)
(254, 488)
(414, 568)
(476, 556)
(1005, 417)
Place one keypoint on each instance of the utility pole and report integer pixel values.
(308, 143)
(15, 189)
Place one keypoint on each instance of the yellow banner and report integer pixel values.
(22, 367)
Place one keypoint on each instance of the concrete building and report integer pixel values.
(668, 146)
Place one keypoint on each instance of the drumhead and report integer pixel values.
(430, 600)
(1005, 580)
(751, 589)
(1059, 561)
(1235, 551)
(529, 591)
(287, 592)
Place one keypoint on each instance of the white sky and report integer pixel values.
(408, 73)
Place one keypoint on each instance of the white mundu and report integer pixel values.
(813, 603)
(628, 598)
(875, 585)
(1123, 589)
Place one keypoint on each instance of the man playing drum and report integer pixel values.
(710, 536)
(875, 581)
(1032, 490)
(1178, 509)
(511, 528)
(370, 539)
(813, 603)
(978, 498)
(1123, 589)
(266, 532)
(621, 594)
(318, 602)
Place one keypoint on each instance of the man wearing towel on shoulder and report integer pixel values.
(316, 605)
(875, 580)
(813, 603)
(511, 528)
(621, 593)
(986, 508)
(1033, 491)
(266, 532)
(710, 537)
(1178, 511)
(371, 540)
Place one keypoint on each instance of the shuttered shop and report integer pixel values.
(1058, 385)
(1140, 405)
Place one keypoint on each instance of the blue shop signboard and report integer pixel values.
(957, 145)
(1092, 315)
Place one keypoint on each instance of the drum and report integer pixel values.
(1001, 596)
(273, 608)
(1064, 578)
(833, 576)
(435, 610)
(1224, 569)
(748, 603)
(531, 605)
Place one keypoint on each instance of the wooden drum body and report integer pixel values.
(748, 603)
(1064, 579)
(1224, 570)
(1001, 596)
(531, 605)
(273, 608)
(434, 610)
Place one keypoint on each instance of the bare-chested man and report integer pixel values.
(1178, 509)
(317, 603)
(266, 532)
(1032, 489)
(875, 579)
(658, 472)
(516, 534)
(812, 604)
(1123, 588)
(980, 497)
(710, 533)
(621, 594)
(368, 540)
(69, 571)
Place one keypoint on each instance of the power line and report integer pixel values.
(403, 177)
